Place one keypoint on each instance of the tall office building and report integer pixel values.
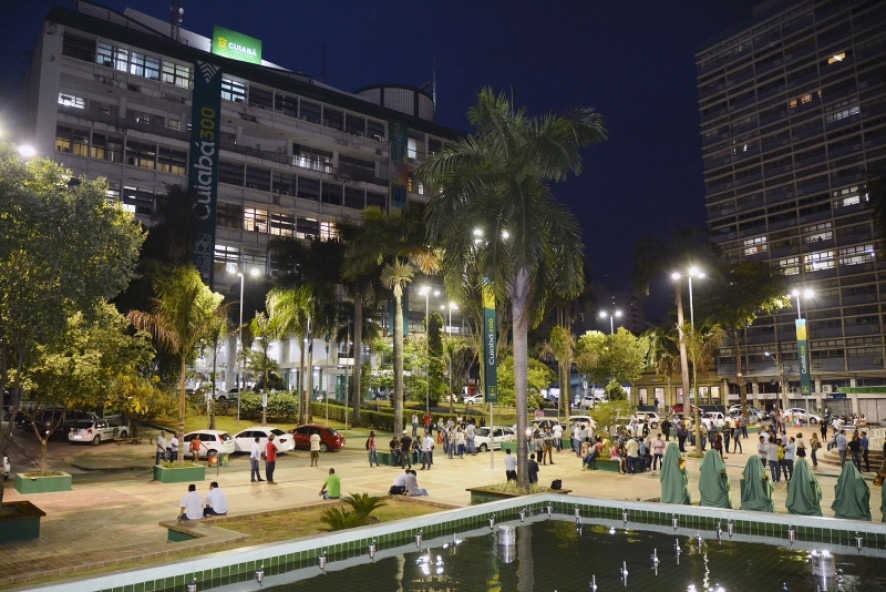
(111, 95)
(793, 123)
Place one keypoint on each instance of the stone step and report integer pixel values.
(832, 458)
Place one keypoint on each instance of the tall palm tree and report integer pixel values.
(185, 313)
(290, 311)
(664, 355)
(395, 276)
(561, 344)
(497, 180)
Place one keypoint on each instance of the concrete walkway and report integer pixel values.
(113, 512)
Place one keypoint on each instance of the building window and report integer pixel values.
(819, 261)
(141, 155)
(142, 119)
(255, 220)
(112, 56)
(848, 196)
(229, 215)
(307, 228)
(109, 148)
(355, 198)
(790, 266)
(376, 199)
(310, 111)
(312, 158)
(308, 189)
(332, 194)
(172, 161)
(282, 224)
(328, 231)
(174, 124)
(77, 47)
(837, 57)
(856, 255)
(842, 114)
(230, 172)
(144, 66)
(140, 199)
(71, 141)
(233, 90)
(333, 118)
(176, 74)
(755, 246)
(66, 100)
(356, 168)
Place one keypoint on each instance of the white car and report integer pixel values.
(713, 419)
(651, 417)
(243, 440)
(795, 413)
(491, 438)
(217, 440)
(473, 399)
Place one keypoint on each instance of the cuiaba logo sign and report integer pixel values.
(237, 46)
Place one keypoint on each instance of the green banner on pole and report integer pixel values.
(490, 356)
(803, 358)
(203, 162)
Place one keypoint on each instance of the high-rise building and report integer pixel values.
(110, 94)
(793, 124)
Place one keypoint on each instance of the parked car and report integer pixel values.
(243, 439)
(651, 417)
(330, 439)
(6, 468)
(95, 431)
(227, 396)
(57, 420)
(713, 419)
(582, 419)
(217, 440)
(490, 438)
(754, 414)
(590, 400)
(475, 399)
(795, 413)
(678, 409)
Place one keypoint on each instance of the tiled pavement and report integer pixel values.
(115, 517)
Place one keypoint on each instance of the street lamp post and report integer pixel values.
(779, 367)
(603, 314)
(240, 382)
(426, 292)
(677, 276)
(805, 293)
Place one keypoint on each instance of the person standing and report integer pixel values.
(790, 453)
(470, 434)
(865, 444)
(270, 459)
(371, 447)
(549, 447)
(666, 428)
(815, 445)
(173, 447)
(415, 425)
(315, 448)
(394, 445)
(426, 420)
(658, 447)
(191, 507)
(255, 454)
(331, 486)
(427, 451)
(771, 449)
(854, 446)
(532, 470)
(510, 466)
(161, 447)
(632, 450)
(406, 450)
(196, 446)
(841, 444)
(557, 431)
(216, 501)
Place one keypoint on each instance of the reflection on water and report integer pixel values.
(565, 556)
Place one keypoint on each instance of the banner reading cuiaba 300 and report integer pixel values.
(203, 162)
(490, 361)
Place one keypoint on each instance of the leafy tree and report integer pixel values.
(607, 415)
(291, 312)
(185, 313)
(459, 355)
(436, 363)
(498, 180)
(260, 327)
(620, 357)
(539, 377)
(664, 354)
(748, 291)
(589, 356)
(63, 248)
(561, 345)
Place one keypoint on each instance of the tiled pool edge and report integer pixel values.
(239, 565)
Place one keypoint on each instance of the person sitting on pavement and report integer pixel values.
(331, 489)
(192, 505)
(412, 487)
(398, 487)
(216, 501)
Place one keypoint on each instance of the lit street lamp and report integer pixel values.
(603, 314)
(803, 354)
(779, 367)
(240, 384)
(805, 293)
(426, 292)
(677, 276)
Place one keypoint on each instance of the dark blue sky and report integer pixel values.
(632, 60)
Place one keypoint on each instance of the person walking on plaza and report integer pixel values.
(255, 460)
(331, 489)
(510, 466)
(790, 454)
(736, 435)
(427, 451)
(315, 448)
(161, 447)
(216, 501)
(373, 450)
(191, 507)
(815, 446)
(270, 459)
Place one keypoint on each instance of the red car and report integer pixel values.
(678, 409)
(330, 439)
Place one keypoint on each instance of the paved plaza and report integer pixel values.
(114, 510)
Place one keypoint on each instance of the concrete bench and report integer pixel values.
(386, 458)
(612, 466)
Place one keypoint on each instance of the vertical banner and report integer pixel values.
(399, 170)
(490, 359)
(803, 358)
(203, 162)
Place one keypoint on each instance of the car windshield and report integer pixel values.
(332, 432)
(483, 432)
(82, 424)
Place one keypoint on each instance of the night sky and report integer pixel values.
(632, 60)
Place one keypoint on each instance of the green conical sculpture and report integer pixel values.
(674, 480)
(804, 493)
(756, 488)
(713, 482)
(852, 497)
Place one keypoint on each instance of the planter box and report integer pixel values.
(20, 521)
(28, 483)
(179, 474)
(481, 495)
(612, 466)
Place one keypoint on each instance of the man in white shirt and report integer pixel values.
(510, 466)
(469, 437)
(255, 460)
(558, 436)
(632, 448)
(173, 448)
(427, 451)
(216, 501)
(192, 505)
(315, 448)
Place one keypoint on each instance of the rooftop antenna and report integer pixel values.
(178, 16)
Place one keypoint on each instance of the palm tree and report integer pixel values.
(395, 276)
(458, 354)
(664, 354)
(185, 313)
(561, 344)
(260, 327)
(290, 312)
(497, 180)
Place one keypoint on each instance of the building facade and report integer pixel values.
(110, 95)
(793, 125)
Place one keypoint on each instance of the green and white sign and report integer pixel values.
(490, 351)
(236, 46)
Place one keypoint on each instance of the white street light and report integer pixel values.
(677, 276)
(779, 367)
(612, 316)
(805, 293)
(426, 291)
(27, 151)
(240, 384)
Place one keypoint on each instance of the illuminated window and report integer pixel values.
(71, 141)
(754, 246)
(176, 74)
(819, 261)
(412, 148)
(233, 90)
(790, 266)
(842, 114)
(856, 255)
(66, 100)
(282, 224)
(255, 220)
(328, 231)
(837, 57)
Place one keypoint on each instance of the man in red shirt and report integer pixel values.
(270, 459)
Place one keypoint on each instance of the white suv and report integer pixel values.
(651, 418)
